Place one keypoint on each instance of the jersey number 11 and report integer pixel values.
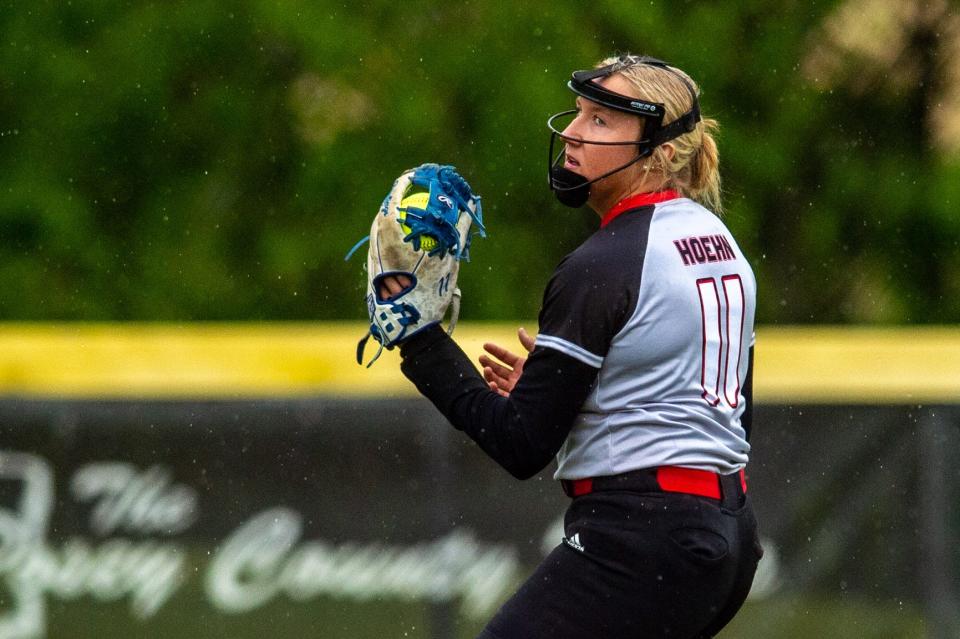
(722, 338)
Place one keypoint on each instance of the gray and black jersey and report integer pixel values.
(661, 302)
(642, 359)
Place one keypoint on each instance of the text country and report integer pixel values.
(263, 560)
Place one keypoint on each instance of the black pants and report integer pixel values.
(638, 565)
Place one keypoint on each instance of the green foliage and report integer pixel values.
(215, 160)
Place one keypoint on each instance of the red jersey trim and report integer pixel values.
(636, 201)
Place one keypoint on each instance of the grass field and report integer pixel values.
(187, 615)
(796, 618)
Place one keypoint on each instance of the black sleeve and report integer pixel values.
(746, 420)
(593, 291)
(522, 432)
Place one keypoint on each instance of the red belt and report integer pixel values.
(671, 479)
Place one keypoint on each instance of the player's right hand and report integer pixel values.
(502, 375)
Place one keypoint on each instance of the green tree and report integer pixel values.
(202, 160)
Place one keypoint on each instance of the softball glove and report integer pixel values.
(422, 231)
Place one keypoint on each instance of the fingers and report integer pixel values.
(493, 378)
(501, 353)
(526, 340)
(392, 285)
(501, 377)
(389, 286)
(499, 390)
(495, 368)
(493, 385)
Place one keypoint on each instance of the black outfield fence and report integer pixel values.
(360, 518)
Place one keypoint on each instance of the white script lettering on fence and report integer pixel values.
(264, 558)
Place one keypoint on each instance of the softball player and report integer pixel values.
(638, 382)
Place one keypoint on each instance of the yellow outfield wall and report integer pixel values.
(201, 360)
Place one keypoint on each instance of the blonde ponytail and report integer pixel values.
(705, 168)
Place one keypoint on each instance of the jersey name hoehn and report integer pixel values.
(704, 248)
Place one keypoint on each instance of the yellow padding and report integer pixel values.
(852, 364)
(793, 365)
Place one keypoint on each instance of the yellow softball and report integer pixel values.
(417, 199)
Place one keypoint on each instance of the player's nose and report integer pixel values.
(571, 133)
(571, 140)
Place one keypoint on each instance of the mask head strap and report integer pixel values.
(584, 83)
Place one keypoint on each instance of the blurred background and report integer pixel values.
(216, 160)
(187, 447)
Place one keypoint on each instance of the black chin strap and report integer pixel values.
(572, 189)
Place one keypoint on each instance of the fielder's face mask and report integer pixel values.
(573, 189)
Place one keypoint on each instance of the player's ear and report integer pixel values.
(669, 151)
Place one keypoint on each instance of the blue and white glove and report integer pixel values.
(421, 231)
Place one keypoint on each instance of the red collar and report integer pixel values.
(636, 201)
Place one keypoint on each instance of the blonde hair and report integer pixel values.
(694, 170)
